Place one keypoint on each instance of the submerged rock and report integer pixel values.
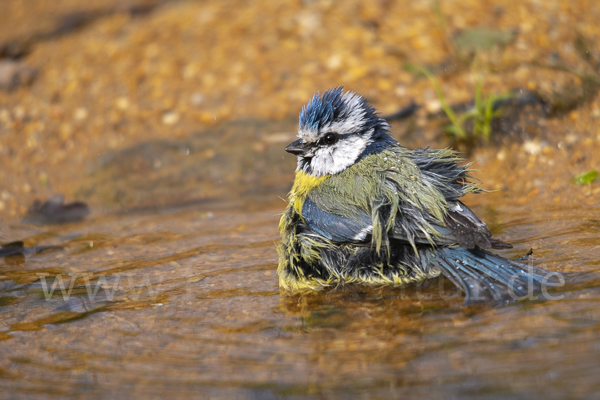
(55, 211)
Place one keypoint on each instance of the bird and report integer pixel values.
(365, 210)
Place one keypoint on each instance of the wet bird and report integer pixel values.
(364, 209)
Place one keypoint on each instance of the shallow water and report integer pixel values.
(190, 306)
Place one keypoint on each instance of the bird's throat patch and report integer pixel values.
(303, 184)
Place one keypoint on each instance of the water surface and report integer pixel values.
(189, 304)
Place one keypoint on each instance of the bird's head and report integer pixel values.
(335, 130)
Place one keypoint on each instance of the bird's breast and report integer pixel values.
(303, 184)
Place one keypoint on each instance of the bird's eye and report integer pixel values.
(330, 139)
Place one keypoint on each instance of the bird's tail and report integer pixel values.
(485, 276)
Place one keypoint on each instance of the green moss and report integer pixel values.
(586, 177)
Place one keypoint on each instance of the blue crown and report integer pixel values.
(334, 106)
(320, 109)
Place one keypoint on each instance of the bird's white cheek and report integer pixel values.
(337, 158)
(343, 158)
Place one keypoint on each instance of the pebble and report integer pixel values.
(532, 147)
(14, 74)
(170, 118)
(80, 114)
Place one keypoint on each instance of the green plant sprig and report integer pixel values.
(482, 113)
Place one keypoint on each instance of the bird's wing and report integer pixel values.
(462, 226)
(468, 230)
(412, 225)
(413, 199)
(443, 170)
(336, 227)
(389, 202)
(323, 215)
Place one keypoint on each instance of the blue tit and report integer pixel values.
(363, 209)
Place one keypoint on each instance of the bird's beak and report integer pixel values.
(299, 147)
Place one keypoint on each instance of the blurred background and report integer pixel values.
(81, 82)
(141, 151)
